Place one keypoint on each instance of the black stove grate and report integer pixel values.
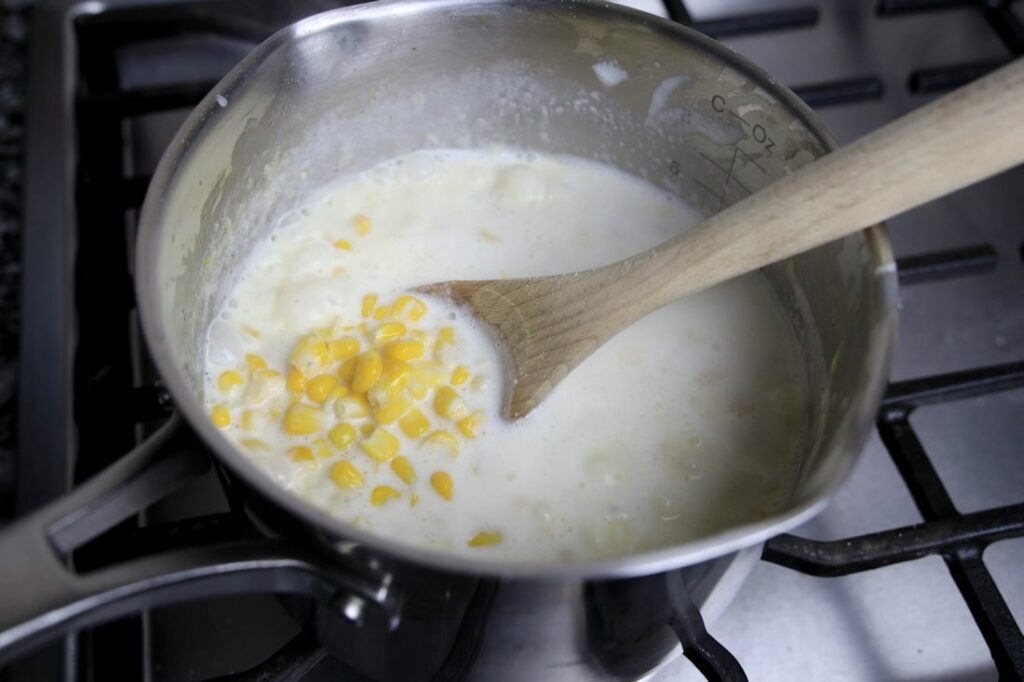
(113, 393)
(960, 539)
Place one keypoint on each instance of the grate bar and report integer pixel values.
(847, 91)
(897, 7)
(145, 100)
(954, 386)
(990, 612)
(941, 265)
(929, 493)
(744, 24)
(986, 604)
(945, 78)
(1007, 26)
(875, 550)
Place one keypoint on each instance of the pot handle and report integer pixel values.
(43, 597)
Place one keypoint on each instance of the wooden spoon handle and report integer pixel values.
(958, 140)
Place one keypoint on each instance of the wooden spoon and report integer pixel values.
(549, 325)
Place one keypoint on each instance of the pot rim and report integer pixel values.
(339, 534)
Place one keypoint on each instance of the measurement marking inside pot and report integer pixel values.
(751, 159)
(757, 131)
(712, 161)
(707, 189)
(729, 177)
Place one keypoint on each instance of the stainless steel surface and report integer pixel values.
(904, 622)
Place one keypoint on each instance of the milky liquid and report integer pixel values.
(683, 424)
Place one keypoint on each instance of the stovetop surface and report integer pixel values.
(902, 622)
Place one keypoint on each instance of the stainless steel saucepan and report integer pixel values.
(337, 93)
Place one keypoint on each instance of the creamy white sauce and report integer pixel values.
(684, 424)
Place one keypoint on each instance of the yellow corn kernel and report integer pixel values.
(253, 420)
(469, 426)
(392, 382)
(264, 385)
(300, 453)
(409, 308)
(403, 469)
(337, 393)
(310, 354)
(343, 348)
(254, 444)
(296, 381)
(447, 403)
(322, 448)
(442, 484)
(381, 445)
(301, 419)
(484, 539)
(403, 350)
(388, 332)
(447, 334)
(443, 439)
(352, 407)
(343, 244)
(389, 413)
(320, 386)
(221, 416)
(414, 424)
(347, 371)
(369, 304)
(342, 435)
(345, 475)
(362, 224)
(366, 429)
(460, 375)
(383, 494)
(382, 313)
(228, 381)
(255, 362)
(254, 333)
(368, 371)
(414, 500)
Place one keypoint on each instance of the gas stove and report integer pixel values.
(913, 572)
